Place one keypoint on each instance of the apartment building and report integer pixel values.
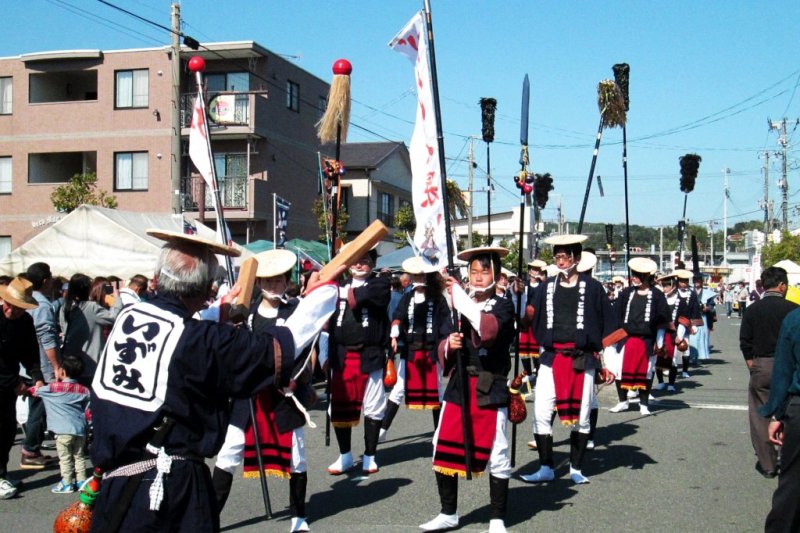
(110, 112)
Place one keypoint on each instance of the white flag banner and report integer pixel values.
(200, 154)
(199, 145)
(430, 237)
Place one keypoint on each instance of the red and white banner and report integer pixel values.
(199, 145)
(426, 194)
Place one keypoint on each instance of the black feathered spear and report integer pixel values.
(690, 165)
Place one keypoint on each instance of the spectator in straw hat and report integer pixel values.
(18, 345)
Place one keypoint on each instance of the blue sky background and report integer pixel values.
(705, 76)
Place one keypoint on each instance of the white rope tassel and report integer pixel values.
(287, 393)
(163, 466)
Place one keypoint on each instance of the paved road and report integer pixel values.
(688, 467)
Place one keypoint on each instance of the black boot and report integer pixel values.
(577, 448)
(388, 417)
(221, 481)
(436, 413)
(448, 493)
(593, 422)
(685, 364)
(498, 497)
(297, 494)
(544, 444)
(372, 429)
(343, 438)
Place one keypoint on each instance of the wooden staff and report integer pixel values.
(622, 77)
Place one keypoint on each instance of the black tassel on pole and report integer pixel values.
(488, 107)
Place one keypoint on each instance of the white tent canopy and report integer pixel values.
(792, 270)
(95, 241)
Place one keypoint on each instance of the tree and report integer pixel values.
(457, 204)
(405, 222)
(81, 190)
(323, 221)
(788, 248)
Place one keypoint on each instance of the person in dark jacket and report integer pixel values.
(18, 345)
(757, 338)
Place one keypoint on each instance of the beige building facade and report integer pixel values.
(111, 112)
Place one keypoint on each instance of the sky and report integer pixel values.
(705, 77)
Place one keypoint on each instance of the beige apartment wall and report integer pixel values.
(91, 126)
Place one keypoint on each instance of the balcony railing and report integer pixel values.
(239, 115)
(232, 191)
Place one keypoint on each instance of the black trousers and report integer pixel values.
(8, 427)
(37, 423)
(189, 504)
(785, 513)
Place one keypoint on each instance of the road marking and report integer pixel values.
(718, 406)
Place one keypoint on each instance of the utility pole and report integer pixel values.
(175, 161)
(471, 158)
(784, 183)
(725, 172)
(711, 234)
(765, 203)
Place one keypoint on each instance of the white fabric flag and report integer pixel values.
(430, 237)
(200, 154)
(199, 145)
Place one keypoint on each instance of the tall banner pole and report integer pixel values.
(202, 156)
(622, 79)
(333, 126)
(466, 425)
(524, 182)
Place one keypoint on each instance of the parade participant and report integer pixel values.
(619, 284)
(485, 335)
(160, 395)
(699, 341)
(359, 331)
(643, 313)
(528, 345)
(422, 319)
(685, 310)
(18, 345)
(281, 418)
(783, 407)
(757, 337)
(572, 316)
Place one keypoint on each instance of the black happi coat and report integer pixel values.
(348, 330)
(599, 320)
(660, 314)
(490, 361)
(442, 324)
(210, 363)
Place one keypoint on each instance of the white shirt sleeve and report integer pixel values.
(311, 314)
(468, 309)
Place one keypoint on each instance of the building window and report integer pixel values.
(62, 86)
(386, 208)
(322, 105)
(227, 82)
(130, 171)
(5, 175)
(59, 167)
(5, 245)
(132, 88)
(293, 96)
(5, 96)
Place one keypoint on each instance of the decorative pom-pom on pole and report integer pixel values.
(336, 119)
(690, 165)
